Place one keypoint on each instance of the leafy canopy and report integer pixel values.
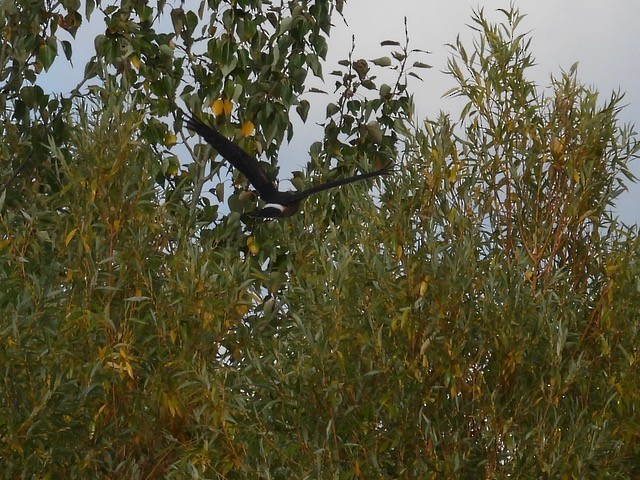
(477, 317)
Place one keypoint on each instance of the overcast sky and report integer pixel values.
(603, 36)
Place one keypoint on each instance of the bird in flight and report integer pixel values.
(277, 204)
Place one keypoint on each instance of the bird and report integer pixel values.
(277, 204)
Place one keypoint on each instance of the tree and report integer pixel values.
(477, 317)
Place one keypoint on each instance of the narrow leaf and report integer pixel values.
(382, 61)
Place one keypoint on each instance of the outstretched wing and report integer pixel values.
(386, 170)
(235, 155)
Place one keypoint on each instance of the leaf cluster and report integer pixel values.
(476, 318)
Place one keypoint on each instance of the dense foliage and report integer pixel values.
(474, 316)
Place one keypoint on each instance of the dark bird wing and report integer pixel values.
(235, 155)
(386, 170)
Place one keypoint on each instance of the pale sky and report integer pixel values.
(603, 36)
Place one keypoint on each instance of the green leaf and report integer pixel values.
(47, 53)
(332, 109)
(303, 109)
(90, 6)
(66, 48)
(229, 66)
(285, 25)
(71, 5)
(382, 61)
(369, 84)
(385, 91)
(374, 131)
(138, 298)
(315, 65)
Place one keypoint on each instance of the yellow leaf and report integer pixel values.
(452, 215)
(576, 176)
(423, 288)
(170, 139)
(247, 129)
(454, 173)
(556, 146)
(135, 61)
(94, 188)
(242, 309)
(172, 166)
(217, 107)
(221, 106)
(610, 269)
(227, 106)
(254, 248)
(85, 245)
(129, 370)
(70, 236)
